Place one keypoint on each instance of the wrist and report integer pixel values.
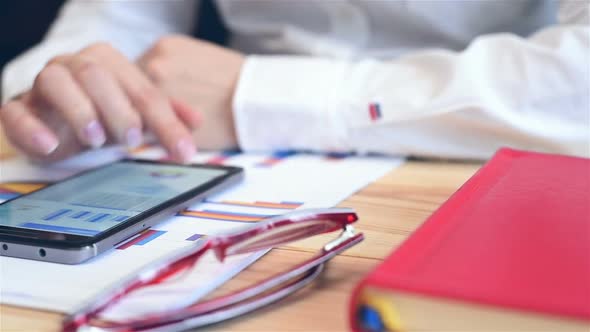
(238, 62)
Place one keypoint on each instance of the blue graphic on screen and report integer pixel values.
(101, 199)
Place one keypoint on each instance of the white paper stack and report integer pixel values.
(274, 184)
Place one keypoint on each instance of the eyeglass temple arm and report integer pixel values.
(228, 312)
(341, 216)
(347, 239)
(145, 276)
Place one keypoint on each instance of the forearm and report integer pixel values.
(502, 90)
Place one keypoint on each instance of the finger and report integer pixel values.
(56, 87)
(187, 114)
(153, 106)
(162, 120)
(60, 59)
(122, 121)
(26, 131)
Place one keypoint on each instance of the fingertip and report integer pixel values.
(94, 134)
(45, 143)
(26, 131)
(133, 138)
(185, 150)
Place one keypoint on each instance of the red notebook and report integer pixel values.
(509, 251)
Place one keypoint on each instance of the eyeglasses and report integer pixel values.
(272, 232)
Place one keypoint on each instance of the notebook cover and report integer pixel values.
(516, 235)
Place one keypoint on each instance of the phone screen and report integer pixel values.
(101, 199)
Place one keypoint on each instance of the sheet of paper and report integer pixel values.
(274, 184)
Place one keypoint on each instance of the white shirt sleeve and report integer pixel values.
(130, 26)
(502, 90)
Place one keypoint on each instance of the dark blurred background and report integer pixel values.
(23, 23)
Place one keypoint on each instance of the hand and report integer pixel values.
(95, 96)
(200, 76)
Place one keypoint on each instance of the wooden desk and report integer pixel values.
(390, 209)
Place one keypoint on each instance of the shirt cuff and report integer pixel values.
(288, 102)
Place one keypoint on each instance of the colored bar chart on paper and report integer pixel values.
(10, 190)
(7, 194)
(142, 148)
(261, 204)
(276, 158)
(335, 156)
(142, 239)
(149, 147)
(224, 215)
(222, 157)
(194, 237)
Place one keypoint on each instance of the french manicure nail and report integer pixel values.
(45, 142)
(134, 138)
(186, 149)
(95, 135)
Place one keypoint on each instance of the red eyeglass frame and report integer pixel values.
(295, 225)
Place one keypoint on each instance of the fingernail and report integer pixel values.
(45, 142)
(95, 135)
(134, 138)
(186, 149)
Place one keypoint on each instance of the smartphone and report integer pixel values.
(82, 216)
